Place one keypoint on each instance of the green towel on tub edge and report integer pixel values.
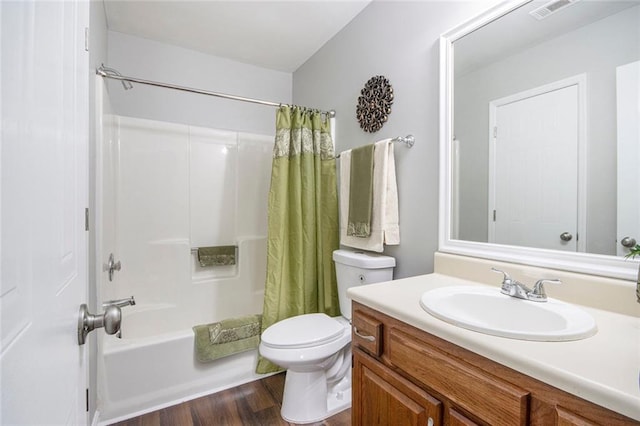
(227, 337)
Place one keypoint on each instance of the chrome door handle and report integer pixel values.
(566, 236)
(110, 320)
(628, 242)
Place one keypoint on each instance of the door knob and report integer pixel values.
(566, 236)
(628, 242)
(110, 319)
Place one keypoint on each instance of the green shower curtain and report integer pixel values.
(303, 221)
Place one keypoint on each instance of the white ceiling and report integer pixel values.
(278, 35)
(490, 43)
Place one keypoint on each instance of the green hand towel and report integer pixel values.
(227, 337)
(217, 256)
(360, 192)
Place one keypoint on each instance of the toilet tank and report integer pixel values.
(355, 268)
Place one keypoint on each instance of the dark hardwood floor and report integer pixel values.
(255, 403)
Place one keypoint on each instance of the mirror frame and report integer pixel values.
(594, 264)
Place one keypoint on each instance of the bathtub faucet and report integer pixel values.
(119, 302)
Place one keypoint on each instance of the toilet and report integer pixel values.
(315, 349)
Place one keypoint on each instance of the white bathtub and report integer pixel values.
(166, 189)
(145, 371)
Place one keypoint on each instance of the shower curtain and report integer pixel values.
(302, 221)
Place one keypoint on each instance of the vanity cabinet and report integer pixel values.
(405, 376)
(386, 398)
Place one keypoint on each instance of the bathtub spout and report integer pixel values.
(120, 302)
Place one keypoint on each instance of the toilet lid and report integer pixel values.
(303, 331)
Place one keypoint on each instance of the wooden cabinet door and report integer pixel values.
(458, 419)
(381, 397)
(388, 386)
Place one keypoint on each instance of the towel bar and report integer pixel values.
(408, 140)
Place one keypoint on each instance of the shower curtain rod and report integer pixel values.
(107, 72)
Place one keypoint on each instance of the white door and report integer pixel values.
(628, 114)
(43, 274)
(534, 171)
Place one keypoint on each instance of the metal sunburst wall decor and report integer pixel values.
(374, 104)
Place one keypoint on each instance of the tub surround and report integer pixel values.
(210, 186)
(154, 365)
(603, 369)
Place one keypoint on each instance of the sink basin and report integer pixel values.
(488, 311)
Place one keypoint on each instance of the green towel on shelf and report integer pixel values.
(360, 192)
(217, 256)
(227, 337)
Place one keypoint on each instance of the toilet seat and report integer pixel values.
(303, 331)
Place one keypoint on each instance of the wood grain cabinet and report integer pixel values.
(405, 376)
(386, 398)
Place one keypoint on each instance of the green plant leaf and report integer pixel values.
(633, 252)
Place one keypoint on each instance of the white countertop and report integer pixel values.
(603, 369)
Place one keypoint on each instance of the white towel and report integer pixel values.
(384, 214)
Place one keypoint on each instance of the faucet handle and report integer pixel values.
(507, 281)
(112, 266)
(538, 294)
(505, 277)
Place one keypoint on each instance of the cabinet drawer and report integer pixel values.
(367, 333)
(463, 384)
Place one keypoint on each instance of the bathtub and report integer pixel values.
(211, 187)
(144, 371)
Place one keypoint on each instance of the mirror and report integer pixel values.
(539, 102)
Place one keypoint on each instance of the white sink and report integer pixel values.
(488, 311)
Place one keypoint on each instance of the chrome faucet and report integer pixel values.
(538, 294)
(515, 288)
(509, 285)
(119, 302)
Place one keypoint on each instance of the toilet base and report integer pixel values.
(306, 398)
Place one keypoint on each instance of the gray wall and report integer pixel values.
(152, 60)
(596, 50)
(400, 41)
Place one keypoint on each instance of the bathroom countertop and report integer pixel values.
(603, 369)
